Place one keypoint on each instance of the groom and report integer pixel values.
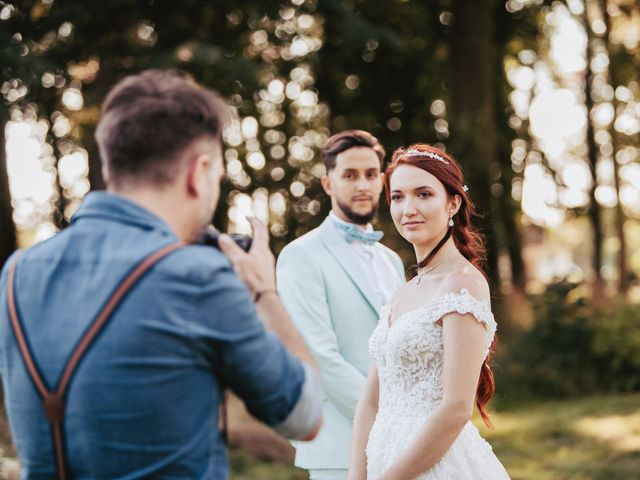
(333, 282)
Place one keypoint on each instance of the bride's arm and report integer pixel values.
(362, 422)
(464, 340)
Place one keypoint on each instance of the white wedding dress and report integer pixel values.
(409, 357)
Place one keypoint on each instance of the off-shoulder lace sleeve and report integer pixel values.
(463, 302)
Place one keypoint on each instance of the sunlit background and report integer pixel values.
(552, 171)
(562, 196)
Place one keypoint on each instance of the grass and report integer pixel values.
(594, 438)
(243, 466)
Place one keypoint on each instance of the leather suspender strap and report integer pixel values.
(53, 400)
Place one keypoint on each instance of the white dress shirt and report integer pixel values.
(373, 260)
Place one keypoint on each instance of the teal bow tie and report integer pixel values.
(353, 233)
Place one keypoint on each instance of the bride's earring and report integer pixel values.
(451, 222)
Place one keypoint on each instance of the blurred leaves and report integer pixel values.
(575, 346)
(303, 70)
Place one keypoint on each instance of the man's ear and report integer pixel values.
(198, 174)
(105, 172)
(325, 181)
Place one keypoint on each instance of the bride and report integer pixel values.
(432, 346)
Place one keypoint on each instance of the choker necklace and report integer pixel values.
(419, 276)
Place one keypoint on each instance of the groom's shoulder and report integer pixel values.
(305, 242)
(310, 239)
(386, 249)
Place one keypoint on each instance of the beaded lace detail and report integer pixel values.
(409, 357)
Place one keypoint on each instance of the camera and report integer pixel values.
(210, 237)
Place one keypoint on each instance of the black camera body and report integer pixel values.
(210, 237)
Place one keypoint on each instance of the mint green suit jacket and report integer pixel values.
(332, 301)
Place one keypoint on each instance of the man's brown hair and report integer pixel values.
(149, 119)
(342, 141)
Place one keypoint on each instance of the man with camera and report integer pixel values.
(119, 334)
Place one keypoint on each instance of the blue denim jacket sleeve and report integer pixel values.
(251, 362)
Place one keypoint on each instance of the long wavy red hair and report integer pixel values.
(468, 240)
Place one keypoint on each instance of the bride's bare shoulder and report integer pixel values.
(398, 293)
(469, 278)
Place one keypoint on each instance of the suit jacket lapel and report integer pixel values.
(339, 249)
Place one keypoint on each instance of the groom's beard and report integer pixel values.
(359, 218)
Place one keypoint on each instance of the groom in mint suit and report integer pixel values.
(333, 282)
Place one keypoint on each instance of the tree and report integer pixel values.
(614, 81)
(473, 103)
(381, 70)
(11, 59)
(90, 48)
(513, 32)
(8, 241)
(408, 49)
(595, 210)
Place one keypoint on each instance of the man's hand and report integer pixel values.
(256, 268)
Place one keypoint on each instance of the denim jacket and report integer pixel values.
(144, 400)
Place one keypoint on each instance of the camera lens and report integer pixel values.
(210, 237)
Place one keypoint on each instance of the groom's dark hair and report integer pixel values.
(342, 141)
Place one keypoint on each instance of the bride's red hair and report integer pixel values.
(468, 240)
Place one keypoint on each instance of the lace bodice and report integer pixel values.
(409, 353)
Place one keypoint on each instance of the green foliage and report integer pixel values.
(574, 347)
(372, 66)
(616, 342)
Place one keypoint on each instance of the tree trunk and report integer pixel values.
(96, 182)
(594, 213)
(59, 220)
(508, 208)
(619, 218)
(472, 101)
(512, 237)
(8, 241)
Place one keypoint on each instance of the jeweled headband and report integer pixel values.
(412, 152)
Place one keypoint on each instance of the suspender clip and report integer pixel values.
(54, 408)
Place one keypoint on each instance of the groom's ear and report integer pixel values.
(326, 184)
